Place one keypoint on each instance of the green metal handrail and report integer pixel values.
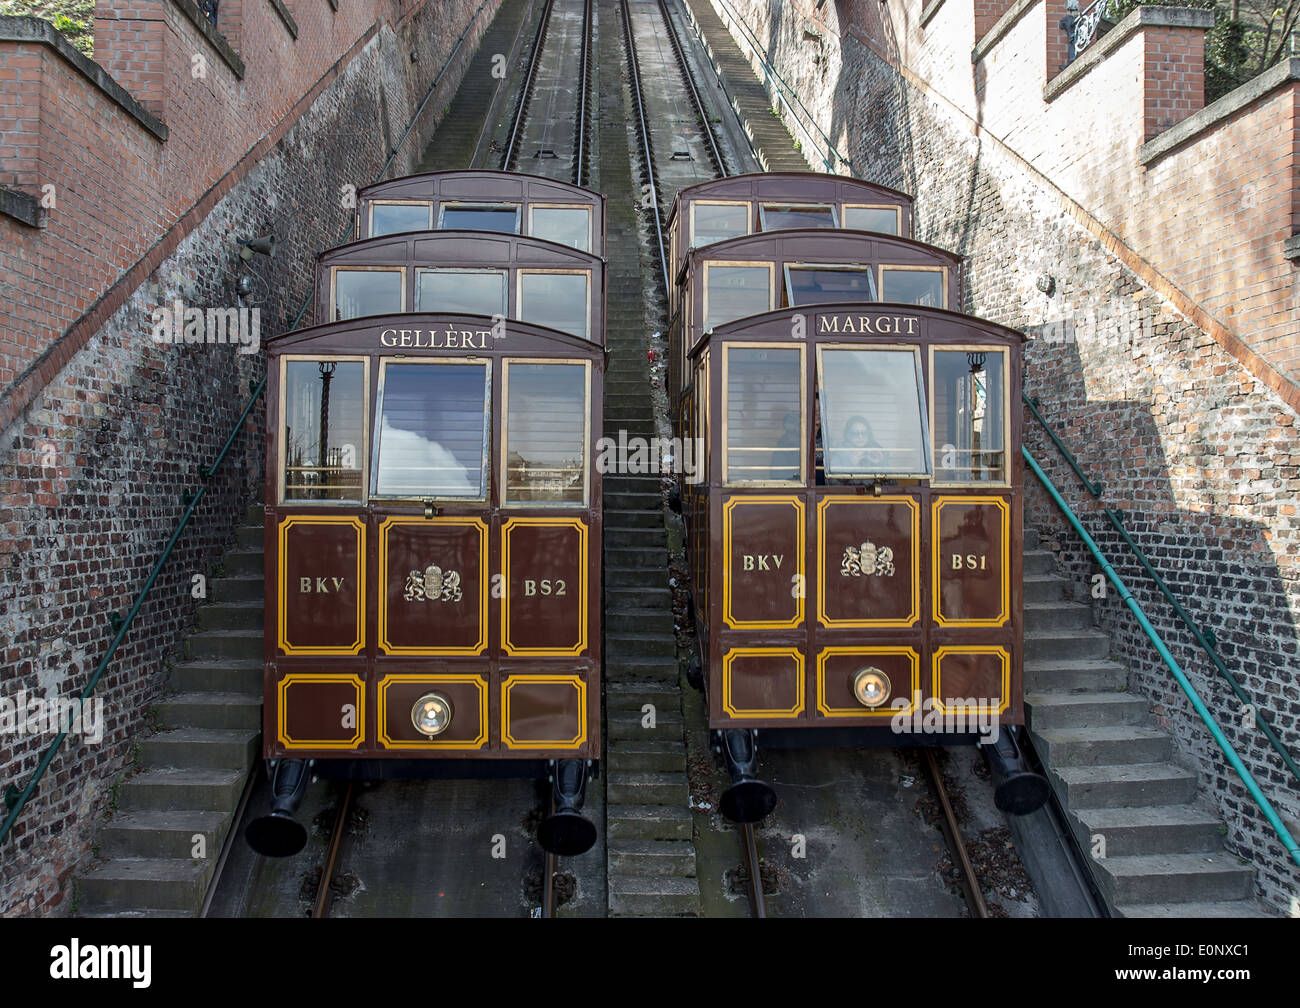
(1204, 638)
(1283, 834)
(15, 800)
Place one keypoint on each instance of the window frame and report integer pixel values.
(776, 206)
(518, 208)
(1006, 414)
(370, 214)
(503, 272)
(913, 268)
(346, 268)
(282, 432)
(522, 271)
(898, 216)
(802, 479)
(841, 267)
(588, 460)
(923, 412)
(751, 263)
(591, 217)
(376, 424)
(749, 219)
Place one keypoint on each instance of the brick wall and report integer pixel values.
(1164, 267)
(93, 466)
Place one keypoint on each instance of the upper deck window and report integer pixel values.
(546, 433)
(969, 402)
(431, 437)
(733, 291)
(924, 286)
(883, 219)
(870, 412)
(784, 216)
(763, 433)
(479, 217)
(568, 225)
(394, 218)
(560, 300)
(828, 284)
(323, 437)
(359, 292)
(715, 222)
(475, 292)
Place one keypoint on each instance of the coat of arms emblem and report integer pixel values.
(434, 585)
(867, 560)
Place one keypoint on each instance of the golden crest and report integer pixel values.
(867, 560)
(434, 584)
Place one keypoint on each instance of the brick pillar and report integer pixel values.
(22, 66)
(1173, 75)
(1058, 50)
(987, 14)
(131, 44)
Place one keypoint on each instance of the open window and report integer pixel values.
(395, 216)
(479, 217)
(871, 412)
(715, 222)
(923, 286)
(323, 430)
(547, 431)
(882, 219)
(560, 299)
(969, 410)
(826, 284)
(735, 290)
(431, 430)
(786, 216)
(567, 225)
(360, 291)
(472, 291)
(763, 410)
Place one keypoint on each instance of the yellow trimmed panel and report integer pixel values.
(866, 654)
(475, 523)
(577, 605)
(993, 651)
(938, 571)
(308, 688)
(729, 682)
(359, 642)
(550, 717)
(427, 683)
(831, 565)
(786, 580)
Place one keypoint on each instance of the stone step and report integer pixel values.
(659, 621)
(212, 710)
(653, 896)
(1031, 538)
(1055, 676)
(625, 599)
(647, 822)
(1039, 562)
(619, 758)
(237, 589)
(247, 614)
(1123, 786)
(637, 577)
(1045, 617)
(215, 676)
(635, 501)
(629, 518)
(200, 748)
(255, 515)
(167, 883)
(637, 645)
(251, 536)
(655, 787)
(1057, 644)
(631, 557)
(645, 538)
(1065, 710)
(1157, 829)
(674, 858)
(1106, 745)
(628, 724)
(244, 563)
(1043, 588)
(1176, 878)
(225, 644)
(647, 668)
(169, 834)
(1223, 908)
(203, 790)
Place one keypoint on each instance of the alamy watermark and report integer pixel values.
(956, 715)
(637, 455)
(30, 714)
(177, 323)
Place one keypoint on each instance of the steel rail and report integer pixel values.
(323, 899)
(584, 106)
(539, 40)
(749, 855)
(952, 834)
(687, 76)
(639, 104)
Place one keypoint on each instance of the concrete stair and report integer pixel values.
(195, 765)
(1112, 769)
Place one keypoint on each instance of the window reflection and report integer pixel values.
(479, 217)
(394, 218)
(969, 440)
(475, 292)
(923, 288)
(870, 416)
(566, 225)
(545, 433)
(557, 300)
(714, 222)
(764, 416)
(881, 219)
(827, 284)
(781, 217)
(432, 431)
(324, 414)
(733, 292)
(358, 293)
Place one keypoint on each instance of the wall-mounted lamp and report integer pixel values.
(264, 245)
(1046, 283)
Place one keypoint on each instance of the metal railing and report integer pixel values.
(1082, 29)
(16, 800)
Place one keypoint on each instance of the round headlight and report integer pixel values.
(871, 687)
(431, 714)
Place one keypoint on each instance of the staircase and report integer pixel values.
(195, 765)
(1112, 769)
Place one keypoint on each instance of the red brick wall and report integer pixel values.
(1173, 77)
(987, 13)
(131, 44)
(1058, 50)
